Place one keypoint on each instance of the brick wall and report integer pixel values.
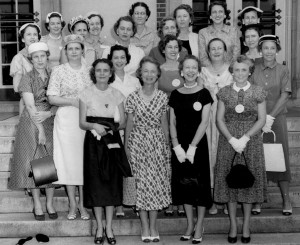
(161, 10)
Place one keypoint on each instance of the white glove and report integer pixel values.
(180, 153)
(243, 141)
(93, 131)
(190, 154)
(235, 143)
(269, 123)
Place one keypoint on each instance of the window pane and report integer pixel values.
(8, 52)
(8, 34)
(200, 8)
(7, 79)
(249, 3)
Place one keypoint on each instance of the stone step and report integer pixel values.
(8, 129)
(9, 106)
(293, 123)
(24, 224)
(7, 144)
(5, 162)
(216, 239)
(3, 181)
(294, 139)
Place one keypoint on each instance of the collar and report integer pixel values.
(237, 89)
(24, 52)
(225, 29)
(36, 73)
(147, 30)
(264, 67)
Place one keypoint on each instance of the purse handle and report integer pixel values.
(262, 135)
(37, 148)
(234, 158)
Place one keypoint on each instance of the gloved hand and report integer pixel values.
(190, 154)
(268, 124)
(243, 141)
(234, 142)
(180, 153)
(93, 131)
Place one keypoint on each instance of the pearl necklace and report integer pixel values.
(190, 86)
(55, 38)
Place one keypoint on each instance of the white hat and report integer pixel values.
(269, 37)
(49, 15)
(248, 9)
(39, 46)
(25, 25)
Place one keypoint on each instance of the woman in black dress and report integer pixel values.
(189, 117)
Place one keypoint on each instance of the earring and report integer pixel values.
(181, 74)
(276, 53)
(198, 74)
(260, 53)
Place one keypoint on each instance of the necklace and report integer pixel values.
(147, 98)
(190, 86)
(55, 38)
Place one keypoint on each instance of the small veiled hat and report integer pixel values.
(25, 25)
(39, 46)
(73, 38)
(269, 37)
(77, 19)
(248, 9)
(49, 15)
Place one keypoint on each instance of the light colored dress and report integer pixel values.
(149, 151)
(20, 63)
(213, 83)
(55, 46)
(228, 34)
(67, 136)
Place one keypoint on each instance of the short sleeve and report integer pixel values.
(25, 84)
(119, 96)
(261, 94)
(83, 95)
(172, 99)
(164, 102)
(221, 95)
(285, 81)
(16, 65)
(206, 97)
(130, 103)
(55, 82)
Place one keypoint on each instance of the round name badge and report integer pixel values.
(239, 108)
(197, 106)
(176, 82)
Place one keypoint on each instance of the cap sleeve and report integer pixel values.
(130, 105)
(16, 65)
(221, 95)
(55, 82)
(83, 95)
(25, 84)
(165, 102)
(285, 81)
(119, 96)
(261, 94)
(172, 99)
(206, 97)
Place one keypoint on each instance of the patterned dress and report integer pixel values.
(213, 83)
(67, 136)
(149, 150)
(190, 182)
(238, 124)
(27, 133)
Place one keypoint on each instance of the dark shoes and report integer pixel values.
(38, 217)
(232, 239)
(245, 239)
(110, 240)
(99, 239)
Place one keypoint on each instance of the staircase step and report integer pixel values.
(5, 162)
(294, 139)
(293, 123)
(8, 129)
(24, 224)
(275, 199)
(6, 144)
(3, 181)
(216, 239)
(9, 106)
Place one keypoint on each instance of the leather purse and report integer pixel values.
(240, 177)
(43, 169)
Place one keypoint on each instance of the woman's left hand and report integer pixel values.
(41, 116)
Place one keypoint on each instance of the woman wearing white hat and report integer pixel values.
(54, 24)
(35, 129)
(65, 84)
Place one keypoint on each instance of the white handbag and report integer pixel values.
(274, 156)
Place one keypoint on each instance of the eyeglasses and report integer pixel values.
(139, 13)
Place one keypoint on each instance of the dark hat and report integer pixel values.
(248, 9)
(273, 38)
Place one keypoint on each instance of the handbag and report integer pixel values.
(240, 177)
(43, 169)
(274, 156)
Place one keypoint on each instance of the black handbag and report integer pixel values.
(240, 177)
(43, 169)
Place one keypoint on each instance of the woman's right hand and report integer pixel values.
(42, 137)
(100, 129)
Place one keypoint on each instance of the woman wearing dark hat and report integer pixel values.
(34, 138)
(274, 78)
(54, 24)
(65, 84)
(145, 37)
(218, 14)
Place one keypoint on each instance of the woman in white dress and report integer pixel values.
(214, 77)
(66, 82)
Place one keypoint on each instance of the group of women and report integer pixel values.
(150, 131)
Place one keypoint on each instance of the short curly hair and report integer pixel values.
(118, 48)
(216, 39)
(162, 25)
(30, 25)
(219, 3)
(189, 57)
(163, 43)
(63, 23)
(124, 18)
(140, 4)
(187, 8)
(243, 59)
(105, 61)
(100, 17)
(72, 28)
(142, 62)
